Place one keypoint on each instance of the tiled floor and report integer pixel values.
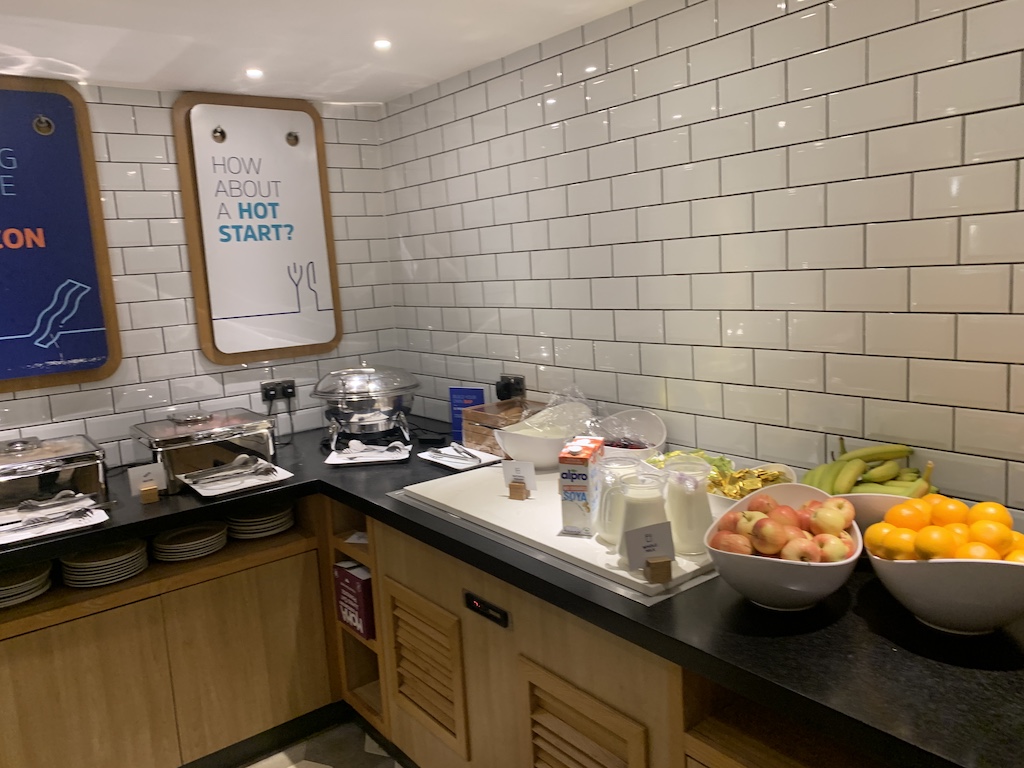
(344, 746)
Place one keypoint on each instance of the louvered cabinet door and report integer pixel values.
(424, 669)
(564, 727)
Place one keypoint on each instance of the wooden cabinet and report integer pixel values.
(246, 653)
(89, 693)
(548, 690)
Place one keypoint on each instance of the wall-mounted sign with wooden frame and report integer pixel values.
(58, 323)
(258, 226)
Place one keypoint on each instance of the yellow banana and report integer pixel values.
(827, 480)
(880, 474)
(878, 453)
(848, 476)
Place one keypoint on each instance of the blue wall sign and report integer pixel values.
(56, 308)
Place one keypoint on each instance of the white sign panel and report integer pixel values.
(257, 178)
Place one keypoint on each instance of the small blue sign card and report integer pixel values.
(57, 318)
(459, 398)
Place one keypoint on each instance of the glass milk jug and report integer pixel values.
(686, 503)
(610, 501)
(643, 505)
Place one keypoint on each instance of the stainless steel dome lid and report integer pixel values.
(376, 381)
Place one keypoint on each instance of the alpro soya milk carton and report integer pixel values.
(576, 465)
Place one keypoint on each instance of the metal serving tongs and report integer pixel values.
(243, 464)
(461, 454)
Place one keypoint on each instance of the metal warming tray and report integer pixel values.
(371, 400)
(193, 440)
(31, 468)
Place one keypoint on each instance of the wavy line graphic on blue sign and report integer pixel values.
(62, 307)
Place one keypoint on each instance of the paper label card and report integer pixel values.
(145, 475)
(520, 472)
(649, 541)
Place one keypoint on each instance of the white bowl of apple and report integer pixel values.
(787, 548)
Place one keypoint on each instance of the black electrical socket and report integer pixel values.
(277, 390)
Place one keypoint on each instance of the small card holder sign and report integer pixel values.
(147, 481)
(648, 542)
(520, 477)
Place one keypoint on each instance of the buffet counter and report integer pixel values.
(858, 670)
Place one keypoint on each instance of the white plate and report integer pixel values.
(234, 523)
(235, 484)
(454, 463)
(111, 553)
(86, 569)
(101, 581)
(190, 535)
(203, 544)
(181, 556)
(261, 534)
(18, 600)
(17, 578)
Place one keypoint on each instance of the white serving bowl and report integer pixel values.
(871, 507)
(782, 585)
(542, 452)
(968, 597)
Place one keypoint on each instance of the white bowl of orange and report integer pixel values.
(956, 567)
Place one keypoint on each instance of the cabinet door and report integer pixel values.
(91, 693)
(605, 673)
(247, 653)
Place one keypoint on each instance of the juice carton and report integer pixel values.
(576, 464)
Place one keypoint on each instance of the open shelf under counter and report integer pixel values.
(357, 551)
(371, 644)
(62, 603)
(367, 701)
(742, 734)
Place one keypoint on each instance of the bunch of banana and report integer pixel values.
(875, 469)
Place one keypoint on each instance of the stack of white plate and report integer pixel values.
(190, 542)
(22, 584)
(105, 565)
(257, 524)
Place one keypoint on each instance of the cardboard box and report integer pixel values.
(353, 597)
(480, 421)
(576, 465)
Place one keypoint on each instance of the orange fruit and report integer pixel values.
(933, 498)
(934, 541)
(898, 544)
(961, 532)
(990, 510)
(908, 515)
(874, 534)
(949, 511)
(1018, 540)
(975, 550)
(924, 506)
(995, 535)
(1015, 556)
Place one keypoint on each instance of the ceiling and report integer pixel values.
(314, 49)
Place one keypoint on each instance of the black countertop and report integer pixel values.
(858, 666)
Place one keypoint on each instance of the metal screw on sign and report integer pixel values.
(43, 125)
(292, 138)
(219, 135)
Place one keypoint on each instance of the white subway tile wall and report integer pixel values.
(773, 222)
(780, 221)
(163, 368)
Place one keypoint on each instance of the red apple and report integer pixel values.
(827, 520)
(832, 548)
(796, 532)
(727, 522)
(803, 517)
(847, 539)
(785, 515)
(727, 541)
(747, 520)
(762, 502)
(843, 505)
(801, 549)
(768, 536)
(811, 505)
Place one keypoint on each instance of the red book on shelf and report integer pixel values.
(353, 597)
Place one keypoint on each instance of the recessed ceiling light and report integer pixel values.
(382, 45)
(254, 74)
